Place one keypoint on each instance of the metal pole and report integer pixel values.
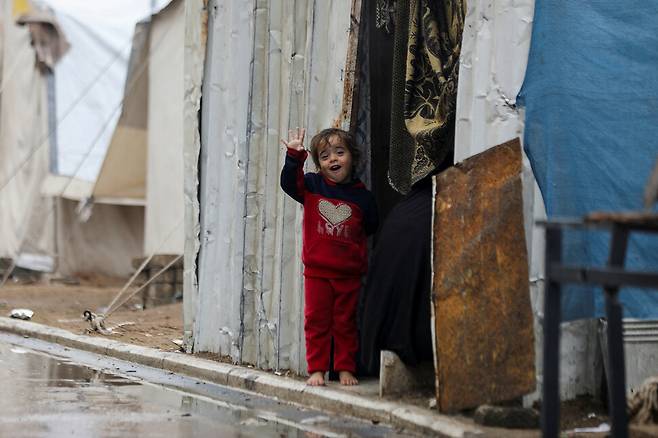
(550, 411)
(616, 370)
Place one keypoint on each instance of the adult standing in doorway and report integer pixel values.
(395, 306)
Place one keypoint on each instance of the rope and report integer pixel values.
(68, 111)
(167, 266)
(127, 285)
(128, 90)
(7, 273)
(143, 265)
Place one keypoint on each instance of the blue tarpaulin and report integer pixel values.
(591, 129)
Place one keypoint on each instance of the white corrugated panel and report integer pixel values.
(196, 20)
(222, 166)
(271, 66)
(492, 67)
(493, 60)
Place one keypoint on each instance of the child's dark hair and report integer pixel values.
(322, 138)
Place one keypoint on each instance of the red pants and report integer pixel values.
(330, 311)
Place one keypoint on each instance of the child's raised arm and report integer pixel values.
(292, 175)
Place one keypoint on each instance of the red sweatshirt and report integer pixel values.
(337, 220)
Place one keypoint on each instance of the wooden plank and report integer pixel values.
(483, 319)
(637, 219)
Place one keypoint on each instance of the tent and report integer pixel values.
(144, 162)
(26, 223)
(49, 173)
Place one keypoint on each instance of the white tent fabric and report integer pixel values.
(90, 90)
(163, 229)
(37, 222)
(122, 179)
(26, 219)
(144, 162)
(90, 78)
(105, 244)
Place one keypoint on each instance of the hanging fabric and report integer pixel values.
(425, 71)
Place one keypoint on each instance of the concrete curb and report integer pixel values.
(325, 398)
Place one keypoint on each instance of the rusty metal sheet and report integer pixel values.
(484, 342)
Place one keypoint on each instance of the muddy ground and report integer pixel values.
(62, 305)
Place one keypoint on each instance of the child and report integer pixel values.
(339, 212)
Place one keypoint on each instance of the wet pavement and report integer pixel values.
(47, 390)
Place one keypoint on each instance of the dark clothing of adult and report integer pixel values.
(395, 306)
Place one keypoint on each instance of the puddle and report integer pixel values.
(46, 394)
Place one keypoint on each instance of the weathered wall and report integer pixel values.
(483, 316)
(196, 21)
(271, 66)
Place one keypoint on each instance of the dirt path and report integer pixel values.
(61, 306)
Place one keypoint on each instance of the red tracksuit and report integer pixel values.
(337, 220)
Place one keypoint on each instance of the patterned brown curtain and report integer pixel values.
(425, 70)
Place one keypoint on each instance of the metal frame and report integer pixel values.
(611, 278)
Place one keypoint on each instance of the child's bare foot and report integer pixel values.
(347, 378)
(316, 379)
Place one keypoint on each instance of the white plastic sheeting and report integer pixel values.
(271, 66)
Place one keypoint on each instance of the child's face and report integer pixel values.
(335, 160)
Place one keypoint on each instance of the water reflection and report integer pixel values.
(46, 396)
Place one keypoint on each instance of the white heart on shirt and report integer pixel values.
(334, 214)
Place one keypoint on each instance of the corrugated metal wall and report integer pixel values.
(270, 66)
(196, 20)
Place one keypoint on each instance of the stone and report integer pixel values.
(482, 314)
(396, 378)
